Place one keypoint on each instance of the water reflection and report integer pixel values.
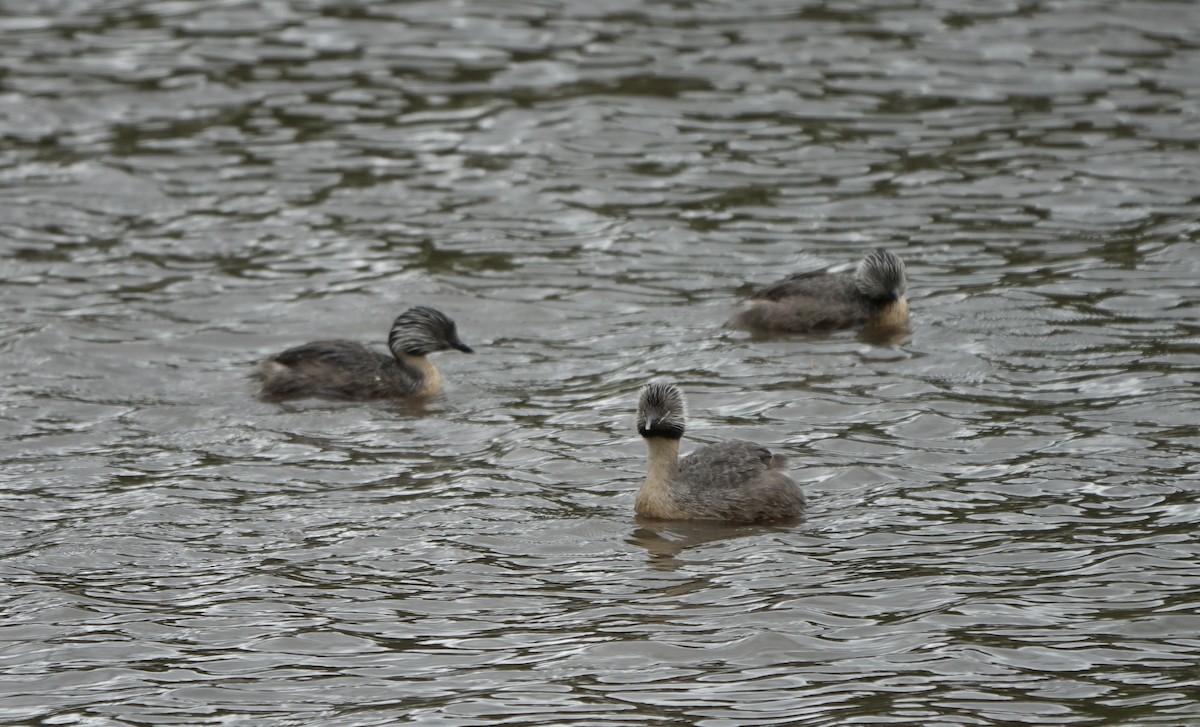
(664, 541)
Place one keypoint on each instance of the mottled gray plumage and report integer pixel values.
(819, 301)
(732, 481)
(340, 369)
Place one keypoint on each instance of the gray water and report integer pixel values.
(1003, 502)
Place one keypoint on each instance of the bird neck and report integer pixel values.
(655, 498)
(429, 380)
(893, 315)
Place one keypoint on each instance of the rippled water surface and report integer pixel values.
(1003, 502)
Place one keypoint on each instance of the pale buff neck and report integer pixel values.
(894, 315)
(654, 499)
(428, 378)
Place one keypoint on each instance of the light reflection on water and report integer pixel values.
(1001, 502)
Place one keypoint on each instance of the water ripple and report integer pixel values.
(1002, 500)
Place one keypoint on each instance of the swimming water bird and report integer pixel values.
(339, 369)
(732, 481)
(871, 296)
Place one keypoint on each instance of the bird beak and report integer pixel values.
(649, 422)
(462, 346)
(895, 294)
